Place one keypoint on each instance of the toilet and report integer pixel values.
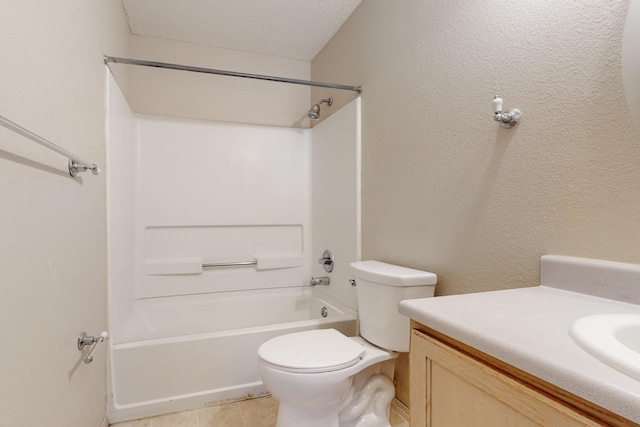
(323, 378)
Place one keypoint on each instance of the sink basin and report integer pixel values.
(611, 338)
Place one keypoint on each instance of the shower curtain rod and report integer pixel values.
(116, 60)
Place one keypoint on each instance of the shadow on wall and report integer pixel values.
(36, 165)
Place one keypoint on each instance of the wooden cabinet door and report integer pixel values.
(451, 389)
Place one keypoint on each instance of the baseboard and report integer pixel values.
(401, 409)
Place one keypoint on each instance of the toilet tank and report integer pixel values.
(379, 288)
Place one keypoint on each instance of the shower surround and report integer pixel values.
(183, 193)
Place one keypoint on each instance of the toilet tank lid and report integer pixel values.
(392, 275)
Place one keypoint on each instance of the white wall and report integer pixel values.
(209, 97)
(215, 192)
(446, 189)
(211, 192)
(221, 193)
(53, 251)
(335, 160)
(122, 205)
(201, 191)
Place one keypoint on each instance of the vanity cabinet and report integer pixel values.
(454, 388)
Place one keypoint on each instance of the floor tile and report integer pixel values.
(259, 412)
(180, 419)
(136, 423)
(220, 416)
(396, 420)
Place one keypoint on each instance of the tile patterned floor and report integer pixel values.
(249, 413)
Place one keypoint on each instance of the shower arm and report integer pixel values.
(329, 101)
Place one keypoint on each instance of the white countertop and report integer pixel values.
(528, 328)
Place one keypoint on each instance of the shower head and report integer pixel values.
(314, 111)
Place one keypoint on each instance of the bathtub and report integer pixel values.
(186, 352)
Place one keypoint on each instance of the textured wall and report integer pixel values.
(444, 187)
(631, 60)
(52, 227)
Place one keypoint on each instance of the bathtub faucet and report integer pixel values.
(322, 281)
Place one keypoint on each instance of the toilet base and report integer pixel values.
(371, 405)
(367, 404)
(356, 396)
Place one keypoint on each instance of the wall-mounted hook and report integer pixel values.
(507, 119)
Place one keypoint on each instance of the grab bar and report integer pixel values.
(196, 265)
(75, 164)
(229, 264)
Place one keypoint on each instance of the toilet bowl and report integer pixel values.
(325, 379)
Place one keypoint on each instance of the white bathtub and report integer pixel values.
(185, 352)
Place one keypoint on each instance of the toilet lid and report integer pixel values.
(320, 350)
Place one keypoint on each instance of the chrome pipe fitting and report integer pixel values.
(84, 340)
(320, 281)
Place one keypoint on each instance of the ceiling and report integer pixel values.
(296, 29)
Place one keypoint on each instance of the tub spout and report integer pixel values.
(322, 281)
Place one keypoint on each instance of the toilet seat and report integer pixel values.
(315, 351)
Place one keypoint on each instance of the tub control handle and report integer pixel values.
(327, 261)
(84, 340)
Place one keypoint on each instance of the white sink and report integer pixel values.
(614, 339)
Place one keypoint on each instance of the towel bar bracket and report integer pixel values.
(84, 340)
(75, 163)
(75, 167)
